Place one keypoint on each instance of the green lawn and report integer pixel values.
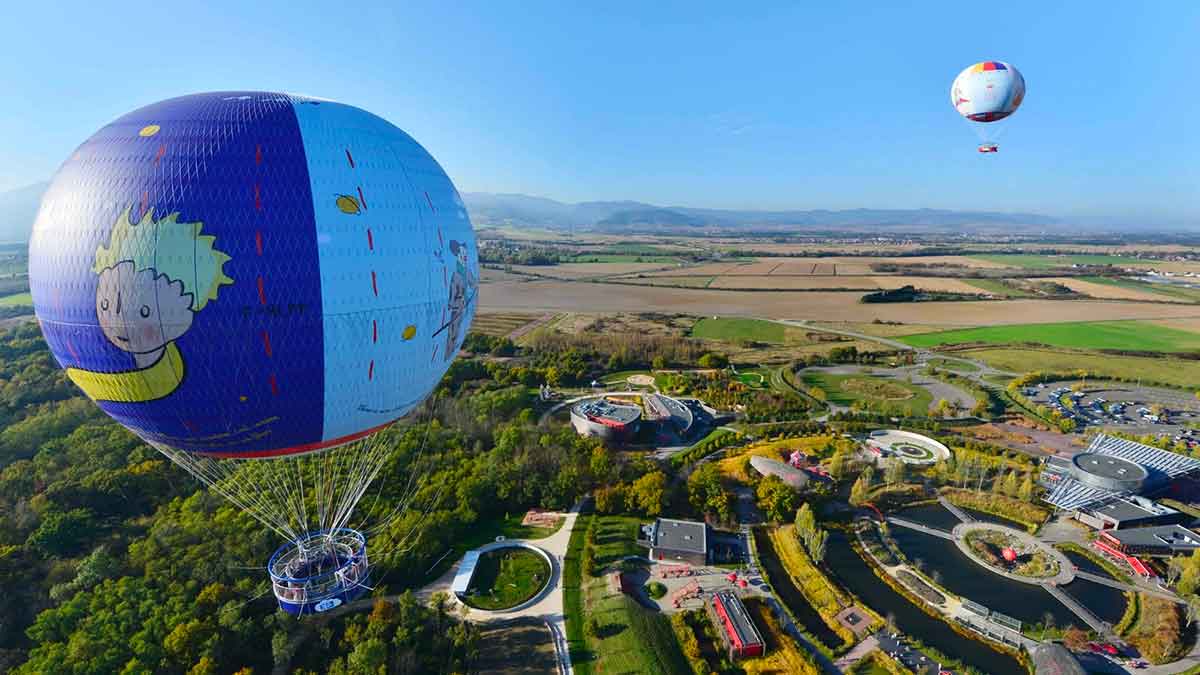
(997, 287)
(508, 577)
(732, 330)
(896, 395)
(1046, 262)
(1132, 335)
(18, 299)
(486, 531)
(1171, 372)
(960, 366)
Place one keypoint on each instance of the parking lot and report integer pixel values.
(1123, 407)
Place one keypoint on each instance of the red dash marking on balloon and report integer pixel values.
(370, 240)
(267, 342)
(258, 241)
(257, 197)
(371, 370)
(361, 199)
(430, 202)
(262, 297)
(162, 150)
(274, 385)
(187, 424)
(349, 158)
(374, 285)
(145, 200)
(258, 154)
(374, 330)
(71, 348)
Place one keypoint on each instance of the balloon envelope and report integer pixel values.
(250, 274)
(987, 91)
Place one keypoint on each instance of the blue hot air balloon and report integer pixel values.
(255, 283)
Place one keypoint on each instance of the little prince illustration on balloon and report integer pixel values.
(155, 275)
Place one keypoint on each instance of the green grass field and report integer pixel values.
(508, 577)
(1132, 335)
(18, 299)
(872, 391)
(732, 330)
(623, 258)
(1172, 291)
(959, 366)
(1046, 262)
(1172, 372)
(997, 287)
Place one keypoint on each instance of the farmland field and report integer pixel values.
(1171, 372)
(997, 287)
(1166, 290)
(1098, 287)
(18, 299)
(1131, 335)
(1046, 262)
(500, 324)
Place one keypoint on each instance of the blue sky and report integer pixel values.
(700, 104)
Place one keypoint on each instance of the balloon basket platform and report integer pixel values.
(320, 571)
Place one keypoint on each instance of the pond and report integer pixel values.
(957, 573)
(855, 574)
(1106, 602)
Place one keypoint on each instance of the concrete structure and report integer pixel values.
(1111, 467)
(669, 540)
(908, 447)
(614, 422)
(738, 632)
(797, 478)
(1164, 540)
(1051, 658)
(460, 587)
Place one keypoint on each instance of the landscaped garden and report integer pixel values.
(1008, 553)
(507, 577)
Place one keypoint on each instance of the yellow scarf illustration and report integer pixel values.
(133, 386)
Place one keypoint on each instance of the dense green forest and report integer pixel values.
(114, 560)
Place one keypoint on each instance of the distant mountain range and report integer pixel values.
(626, 216)
(18, 208)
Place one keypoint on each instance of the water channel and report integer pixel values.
(855, 574)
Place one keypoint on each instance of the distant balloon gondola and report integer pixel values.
(255, 284)
(985, 93)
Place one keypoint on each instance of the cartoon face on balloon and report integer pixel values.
(140, 311)
(154, 276)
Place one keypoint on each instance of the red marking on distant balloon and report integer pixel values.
(349, 158)
(257, 197)
(258, 154)
(162, 150)
(370, 240)
(274, 385)
(145, 200)
(361, 199)
(371, 370)
(430, 202)
(266, 342)
(374, 285)
(374, 330)
(258, 242)
(262, 297)
(71, 348)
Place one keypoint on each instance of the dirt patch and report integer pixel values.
(522, 648)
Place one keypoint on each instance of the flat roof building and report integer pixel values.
(1132, 511)
(1164, 540)
(616, 422)
(738, 631)
(669, 539)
